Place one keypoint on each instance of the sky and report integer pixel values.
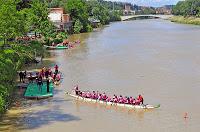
(155, 3)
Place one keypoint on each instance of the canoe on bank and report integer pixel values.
(129, 106)
(55, 47)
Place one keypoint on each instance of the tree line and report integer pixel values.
(187, 8)
(81, 11)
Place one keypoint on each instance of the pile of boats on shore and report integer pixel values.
(102, 98)
(64, 45)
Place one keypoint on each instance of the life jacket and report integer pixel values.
(93, 95)
(88, 95)
(134, 101)
(121, 100)
(140, 98)
(131, 100)
(108, 99)
(58, 77)
(104, 96)
(137, 102)
(56, 67)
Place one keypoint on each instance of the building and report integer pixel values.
(166, 10)
(94, 22)
(60, 19)
(128, 9)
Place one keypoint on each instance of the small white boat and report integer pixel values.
(129, 106)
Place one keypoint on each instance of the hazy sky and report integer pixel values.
(150, 2)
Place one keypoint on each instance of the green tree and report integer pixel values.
(114, 16)
(78, 11)
(78, 26)
(187, 8)
(54, 3)
(62, 35)
(98, 11)
(38, 16)
(11, 20)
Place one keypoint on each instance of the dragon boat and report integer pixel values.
(129, 106)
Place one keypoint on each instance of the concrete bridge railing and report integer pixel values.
(124, 18)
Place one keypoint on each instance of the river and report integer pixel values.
(156, 58)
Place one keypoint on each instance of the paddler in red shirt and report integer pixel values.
(140, 98)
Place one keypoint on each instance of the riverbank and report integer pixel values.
(13, 59)
(185, 20)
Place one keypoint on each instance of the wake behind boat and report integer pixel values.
(111, 102)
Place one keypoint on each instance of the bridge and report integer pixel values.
(125, 18)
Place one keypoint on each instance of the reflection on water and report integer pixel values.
(139, 113)
(155, 58)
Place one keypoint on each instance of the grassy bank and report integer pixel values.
(185, 20)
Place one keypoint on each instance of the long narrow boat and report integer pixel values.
(55, 47)
(129, 106)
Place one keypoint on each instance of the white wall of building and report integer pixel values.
(55, 17)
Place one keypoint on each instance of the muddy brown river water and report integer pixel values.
(156, 58)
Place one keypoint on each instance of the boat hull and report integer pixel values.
(129, 106)
(56, 47)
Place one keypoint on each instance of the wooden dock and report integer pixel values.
(32, 91)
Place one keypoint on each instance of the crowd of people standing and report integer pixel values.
(22, 76)
(45, 74)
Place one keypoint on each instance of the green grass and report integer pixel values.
(186, 20)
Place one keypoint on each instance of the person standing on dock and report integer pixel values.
(21, 75)
(40, 83)
(24, 75)
(46, 73)
(30, 78)
(56, 69)
(48, 82)
(42, 73)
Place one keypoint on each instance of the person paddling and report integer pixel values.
(140, 98)
(76, 90)
(93, 95)
(121, 99)
(104, 96)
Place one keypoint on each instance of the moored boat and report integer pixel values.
(55, 47)
(129, 106)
